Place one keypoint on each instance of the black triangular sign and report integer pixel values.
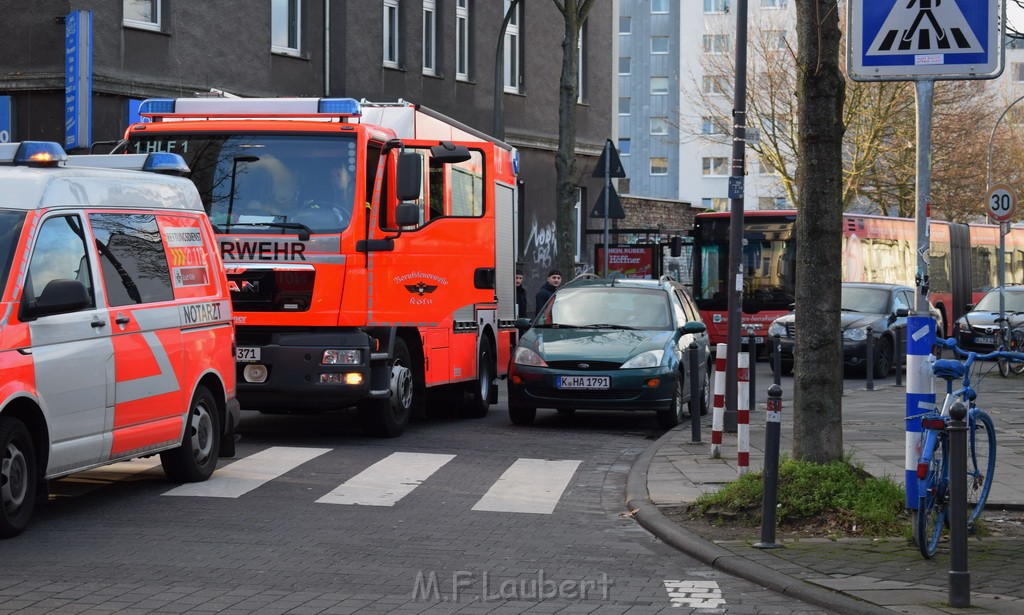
(609, 165)
(615, 210)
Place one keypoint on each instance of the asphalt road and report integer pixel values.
(468, 516)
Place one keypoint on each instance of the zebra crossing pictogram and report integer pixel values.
(925, 27)
(533, 486)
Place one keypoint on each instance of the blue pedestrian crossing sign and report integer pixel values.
(899, 40)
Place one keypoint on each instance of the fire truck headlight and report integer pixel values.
(254, 372)
(346, 356)
(350, 378)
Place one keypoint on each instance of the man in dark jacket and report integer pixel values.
(545, 292)
(520, 295)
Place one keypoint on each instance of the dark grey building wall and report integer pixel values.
(225, 44)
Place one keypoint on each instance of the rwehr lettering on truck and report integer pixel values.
(365, 248)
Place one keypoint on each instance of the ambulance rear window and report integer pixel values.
(10, 229)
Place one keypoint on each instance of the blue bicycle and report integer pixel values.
(933, 465)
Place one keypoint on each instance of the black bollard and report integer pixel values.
(959, 576)
(772, 431)
(898, 356)
(777, 359)
(695, 392)
(869, 364)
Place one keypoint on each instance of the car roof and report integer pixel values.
(29, 188)
(875, 285)
(592, 281)
(1014, 288)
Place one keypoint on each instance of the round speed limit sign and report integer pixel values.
(1001, 202)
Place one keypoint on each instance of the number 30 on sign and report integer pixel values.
(1001, 202)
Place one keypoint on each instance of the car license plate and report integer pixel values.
(583, 382)
(247, 354)
(986, 341)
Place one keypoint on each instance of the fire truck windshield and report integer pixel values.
(267, 183)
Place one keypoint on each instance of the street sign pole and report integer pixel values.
(1002, 203)
(607, 197)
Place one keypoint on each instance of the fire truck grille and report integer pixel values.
(262, 290)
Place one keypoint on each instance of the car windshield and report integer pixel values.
(990, 302)
(10, 230)
(608, 307)
(867, 300)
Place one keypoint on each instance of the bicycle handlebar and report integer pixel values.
(971, 356)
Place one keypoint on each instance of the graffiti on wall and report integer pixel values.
(540, 246)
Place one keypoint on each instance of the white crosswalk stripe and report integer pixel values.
(529, 486)
(387, 481)
(242, 476)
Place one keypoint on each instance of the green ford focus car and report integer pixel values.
(610, 344)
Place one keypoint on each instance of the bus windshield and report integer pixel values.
(267, 183)
(769, 256)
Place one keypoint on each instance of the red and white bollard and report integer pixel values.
(718, 411)
(743, 413)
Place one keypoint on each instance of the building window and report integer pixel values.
(659, 166)
(577, 222)
(774, 39)
(716, 166)
(142, 14)
(659, 86)
(392, 44)
(623, 105)
(284, 26)
(659, 44)
(1017, 71)
(429, 38)
(715, 203)
(716, 6)
(625, 25)
(773, 4)
(462, 40)
(772, 202)
(624, 146)
(714, 84)
(659, 6)
(624, 66)
(581, 82)
(659, 126)
(716, 43)
(713, 125)
(512, 68)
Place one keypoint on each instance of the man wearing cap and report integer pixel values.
(545, 292)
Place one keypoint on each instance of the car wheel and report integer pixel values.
(477, 403)
(17, 477)
(883, 357)
(387, 418)
(196, 458)
(521, 415)
(669, 418)
(707, 394)
(786, 367)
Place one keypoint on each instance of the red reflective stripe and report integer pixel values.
(719, 401)
(743, 459)
(716, 437)
(743, 417)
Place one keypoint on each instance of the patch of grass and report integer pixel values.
(837, 495)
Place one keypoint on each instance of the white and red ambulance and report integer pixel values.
(116, 336)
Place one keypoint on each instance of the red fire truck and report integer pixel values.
(369, 248)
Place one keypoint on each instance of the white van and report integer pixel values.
(116, 337)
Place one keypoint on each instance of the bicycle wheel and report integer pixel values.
(1017, 345)
(1004, 365)
(981, 462)
(931, 509)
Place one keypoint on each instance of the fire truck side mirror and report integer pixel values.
(448, 153)
(409, 183)
(407, 214)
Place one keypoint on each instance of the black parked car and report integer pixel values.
(978, 329)
(610, 344)
(883, 307)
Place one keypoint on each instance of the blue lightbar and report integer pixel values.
(156, 106)
(40, 154)
(340, 106)
(166, 163)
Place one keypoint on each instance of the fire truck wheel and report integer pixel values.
(17, 477)
(521, 415)
(196, 458)
(477, 403)
(387, 418)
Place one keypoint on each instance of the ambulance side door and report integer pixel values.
(146, 333)
(71, 351)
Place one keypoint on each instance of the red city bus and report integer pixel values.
(963, 263)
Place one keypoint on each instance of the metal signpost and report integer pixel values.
(1002, 202)
(921, 41)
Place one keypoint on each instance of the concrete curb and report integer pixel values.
(647, 515)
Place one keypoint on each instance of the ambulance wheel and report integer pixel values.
(478, 402)
(387, 418)
(18, 479)
(196, 458)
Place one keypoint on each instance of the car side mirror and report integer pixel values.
(58, 297)
(694, 327)
(523, 325)
(902, 312)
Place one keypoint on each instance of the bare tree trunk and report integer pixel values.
(818, 383)
(565, 158)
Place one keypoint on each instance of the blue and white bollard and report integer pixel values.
(920, 394)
